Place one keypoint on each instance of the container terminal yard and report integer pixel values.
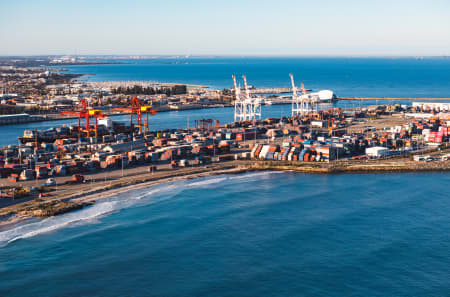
(52, 171)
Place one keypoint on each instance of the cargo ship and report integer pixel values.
(44, 136)
(105, 127)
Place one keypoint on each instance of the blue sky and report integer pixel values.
(200, 27)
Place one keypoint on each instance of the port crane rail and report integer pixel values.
(83, 111)
(137, 111)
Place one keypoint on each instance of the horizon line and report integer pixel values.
(228, 55)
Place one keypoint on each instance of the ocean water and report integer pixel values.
(347, 77)
(353, 77)
(255, 234)
(160, 121)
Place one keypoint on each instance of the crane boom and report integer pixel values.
(247, 91)
(83, 111)
(302, 87)
(136, 111)
(294, 88)
(237, 90)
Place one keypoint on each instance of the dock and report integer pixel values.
(12, 119)
(271, 90)
(115, 84)
(392, 99)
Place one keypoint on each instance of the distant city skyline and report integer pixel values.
(234, 28)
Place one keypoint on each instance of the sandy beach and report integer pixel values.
(108, 184)
(95, 190)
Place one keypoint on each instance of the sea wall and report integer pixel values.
(349, 167)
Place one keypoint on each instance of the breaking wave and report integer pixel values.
(88, 214)
(240, 178)
(132, 198)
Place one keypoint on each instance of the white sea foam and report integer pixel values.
(89, 214)
(206, 182)
(92, 214)
(57, 222)
(214, 181)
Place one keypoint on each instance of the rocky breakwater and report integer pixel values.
(51, 208)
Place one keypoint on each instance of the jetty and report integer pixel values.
(270, 90)
(392, 99)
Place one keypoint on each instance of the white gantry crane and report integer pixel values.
(248, 108)
(239, 112)
(301, 104)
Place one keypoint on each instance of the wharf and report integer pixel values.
(271, 90)
(115, 84)
(391, 99)
(353, 166)
(20, 119)
(9, 120)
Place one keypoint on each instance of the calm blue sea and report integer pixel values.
(352, 77)
(256, 234)
(163, 120)
(347, 77)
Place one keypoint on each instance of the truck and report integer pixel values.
(76, 179)
(174, 164)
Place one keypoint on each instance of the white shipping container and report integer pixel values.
(377, 151)
(264, 151)
(245, 155)
(318, 124)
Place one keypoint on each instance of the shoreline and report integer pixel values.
(21, 212)
(12, 215)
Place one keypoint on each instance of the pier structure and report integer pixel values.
(246, 108)
(444, 106)
(391, 99)
(272, 90)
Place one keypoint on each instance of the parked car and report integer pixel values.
(50, 182)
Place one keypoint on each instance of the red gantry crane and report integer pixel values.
(83, 111)
(206, 124)
(137, 110)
